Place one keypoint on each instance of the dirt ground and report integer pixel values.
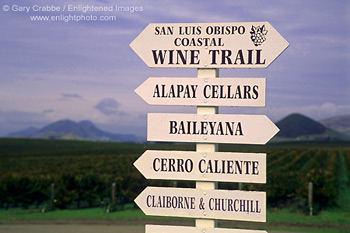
(78, 229)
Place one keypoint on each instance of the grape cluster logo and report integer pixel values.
(258, 35)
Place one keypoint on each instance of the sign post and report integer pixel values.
(203, 147)
(207, 47)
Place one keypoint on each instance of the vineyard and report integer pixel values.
(83, 173)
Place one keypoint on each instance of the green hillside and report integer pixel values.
(299, 127)
(338, 123)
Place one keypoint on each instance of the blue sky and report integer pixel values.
(86, 70)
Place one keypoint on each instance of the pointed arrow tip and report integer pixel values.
(141, 91)
(131, 45)
(138, 165)
(138, 200)
(137, 90)
(273, 130)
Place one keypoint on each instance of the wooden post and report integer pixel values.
(206, 147)
(51, 204)
(310, 190)
(113, 194)
(112, 204)
(52, 192)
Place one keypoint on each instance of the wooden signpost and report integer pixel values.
(207, 166)
(232, 92)
(208, 47)
(194, 203)
(209, 128)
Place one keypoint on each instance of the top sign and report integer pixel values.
(209, 45)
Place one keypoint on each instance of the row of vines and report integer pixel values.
(84, 179)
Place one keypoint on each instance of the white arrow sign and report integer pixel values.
(203, 166)
(195, 203)
(248, 92)
(209, 45)
(211, 128)
(177, 229)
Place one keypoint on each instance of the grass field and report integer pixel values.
(277, 219)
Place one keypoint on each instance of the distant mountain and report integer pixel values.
(24, 133)
(67, 129)
(338, 123)
(300, 127)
